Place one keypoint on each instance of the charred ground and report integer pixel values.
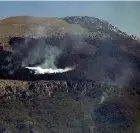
(98, 60)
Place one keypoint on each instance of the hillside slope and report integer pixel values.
(105, 80)
(99, 50)
(23, 26)
(66, 106)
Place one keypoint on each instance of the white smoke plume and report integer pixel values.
(48, 65)
(102, 67)
(39, 70)
(48, 52)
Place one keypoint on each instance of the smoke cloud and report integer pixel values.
(42, 56)
(40, 70)
(99, 60)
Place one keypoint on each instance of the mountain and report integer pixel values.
(100, 51)
(100, 95)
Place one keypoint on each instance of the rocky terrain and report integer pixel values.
(101, 95)
(67, 106)
(57, 106)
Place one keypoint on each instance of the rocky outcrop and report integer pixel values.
(30, 90)
(33, 89)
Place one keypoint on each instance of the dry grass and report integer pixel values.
(21, 26)
(13, 83)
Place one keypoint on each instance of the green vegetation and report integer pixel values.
(60, 113)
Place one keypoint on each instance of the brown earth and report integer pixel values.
(22, 26)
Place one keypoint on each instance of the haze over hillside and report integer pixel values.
(92, 45)
(107, 67)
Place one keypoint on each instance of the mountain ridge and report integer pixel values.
(21, 22)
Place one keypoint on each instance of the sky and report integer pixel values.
(123, 14)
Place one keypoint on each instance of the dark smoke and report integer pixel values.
(99, 60)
